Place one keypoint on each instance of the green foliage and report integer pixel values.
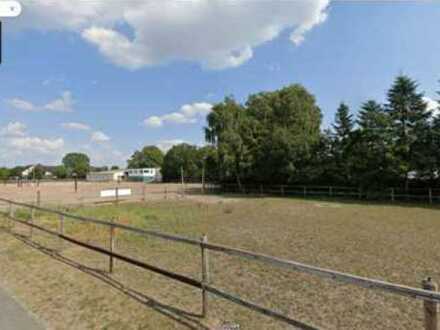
(77, 163)
(4, 173)
(226, 125)
(182, 157)
(148, 157)
(409, 116)
(275, 137)
(344, 123)
(60, 172)
(37, 173)
(208, 162)
(372, 153)
(114, 167)
(270, 138)
(16, 171)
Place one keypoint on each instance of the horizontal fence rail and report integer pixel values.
(429, 195)
(397, 289)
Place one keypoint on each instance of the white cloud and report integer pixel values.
(17, 147)
(76, 126)
(13, 129)
(215, 33)
(433, 105)
(166, 145)
(99, 137)
(195, 109)
(188, 114)
(153, 121)
(21, 104)
(178, 118)
(62, 104)
(36, 144)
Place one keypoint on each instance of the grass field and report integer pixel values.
(396, 243)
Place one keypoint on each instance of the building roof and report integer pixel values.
(107, 172)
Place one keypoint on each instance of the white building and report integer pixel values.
(28, 172)
(46, 171)
(143, 174)
(116, 175)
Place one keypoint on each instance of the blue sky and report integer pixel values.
(87, 86)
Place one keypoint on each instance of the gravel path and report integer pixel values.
(15, 317)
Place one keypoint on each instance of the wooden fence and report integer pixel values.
(90, 193)
(429, 195)
(428, 294)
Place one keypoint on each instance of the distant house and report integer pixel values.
(143, 174)
(116, 175)
(46, 171)
(28, 171)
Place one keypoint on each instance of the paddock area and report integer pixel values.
(71, 290)
(67, 193)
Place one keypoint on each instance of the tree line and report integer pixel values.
(276, 137)
(73, 164)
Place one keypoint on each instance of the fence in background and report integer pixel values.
(428, 195)
(428, 294)
(67, 193)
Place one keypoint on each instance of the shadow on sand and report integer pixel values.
(183, 318)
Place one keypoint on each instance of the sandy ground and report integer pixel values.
(63, 193)
(393, 243)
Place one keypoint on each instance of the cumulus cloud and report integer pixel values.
(36, 144)
(99, 137)
(21, 104)
(166, 145)
(215, 33)
(75, 126)
(16, 145)
(13, 129)
(62, 104)
(187, 114)
(432, 105)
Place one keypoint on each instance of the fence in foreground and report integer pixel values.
(428, 195)
(429, 294)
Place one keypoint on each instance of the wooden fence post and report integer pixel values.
(166, 192)
(112, 246)
(392, 194)
(117, 195)
(31, 220)
(205, 276)
(430, 195)
(330, 191)
(305, 191)
(61, 232)
(38, 198)
(11, 216)
(183, 181)
(430, 307)
(282, 190)
(144, 193)
(360, 193)
(203, 177)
